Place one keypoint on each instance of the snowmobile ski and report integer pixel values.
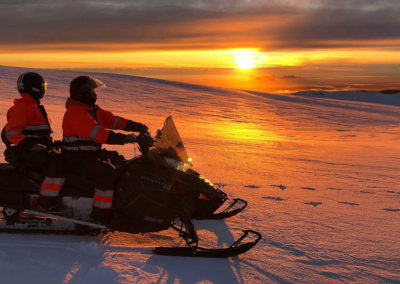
(196, 251)
(228, 211)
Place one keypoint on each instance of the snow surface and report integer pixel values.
(320, 172)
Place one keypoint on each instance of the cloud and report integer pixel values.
(183, 24)
(291, 77)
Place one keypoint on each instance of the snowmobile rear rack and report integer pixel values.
(32, 221)
(61, 218)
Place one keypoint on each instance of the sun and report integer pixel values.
(246, 59)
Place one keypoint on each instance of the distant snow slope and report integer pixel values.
(320, 172)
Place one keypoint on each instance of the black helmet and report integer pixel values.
(33, 84)
(82, 89)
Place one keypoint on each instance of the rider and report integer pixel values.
(86, 127)
(27, 136)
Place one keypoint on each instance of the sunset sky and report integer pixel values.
(275, 45)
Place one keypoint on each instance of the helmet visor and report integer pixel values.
(97, 84)
(44, 89)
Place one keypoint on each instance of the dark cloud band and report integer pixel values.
(199, 24)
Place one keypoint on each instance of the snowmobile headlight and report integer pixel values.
(203, 178)
(180, 166)
(183, 167)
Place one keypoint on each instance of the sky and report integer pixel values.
(274, 45)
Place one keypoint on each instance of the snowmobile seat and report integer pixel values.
(6, 169)
(75, 185)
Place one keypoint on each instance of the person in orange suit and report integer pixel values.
(27, 136)
(86, 126)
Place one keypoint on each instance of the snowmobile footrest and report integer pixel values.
(195, 251)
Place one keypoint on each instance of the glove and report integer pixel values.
(143, 128)
(135, 126)
(130, 138)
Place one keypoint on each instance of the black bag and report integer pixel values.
(10, 155)
(14, 187)
(143, 201)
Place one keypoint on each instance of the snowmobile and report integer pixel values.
(155, 191)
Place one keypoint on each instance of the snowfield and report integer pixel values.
(321, 173)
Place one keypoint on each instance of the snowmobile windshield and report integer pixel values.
(168, 140)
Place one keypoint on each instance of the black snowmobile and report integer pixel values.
(156, 190)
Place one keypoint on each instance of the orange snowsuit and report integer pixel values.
(85, 129)
(28, 120)
(29, 129)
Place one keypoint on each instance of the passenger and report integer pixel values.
(86, 126)
(27, 135)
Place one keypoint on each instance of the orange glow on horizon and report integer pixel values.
(241, 68)
(228, 58)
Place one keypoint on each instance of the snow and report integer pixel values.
(320, 172)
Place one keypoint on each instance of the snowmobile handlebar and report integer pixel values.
(145, 141)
